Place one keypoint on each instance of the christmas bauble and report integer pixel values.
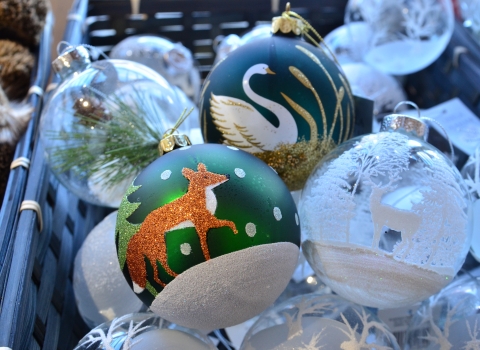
(348, 42)
(232, 41)
(142, 331)
(404, 36)
(448, 320)
(281, 99)
(471, 174)
(204, 229)
(385, 217)
(470, 12)
(171, 60)
(101, 291)
(368, 82)
(315, 321)
(104, 122)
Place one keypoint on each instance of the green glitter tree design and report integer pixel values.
(123, 225)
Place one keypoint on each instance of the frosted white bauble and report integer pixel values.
(101, 291)
(371, 83)
(471, 174)
(404, 36)
(168, 339)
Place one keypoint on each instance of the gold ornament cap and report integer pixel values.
(74, 59)
(411, 125)
(286, 24)
(171, 142)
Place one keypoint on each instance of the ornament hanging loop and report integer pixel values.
(410, 103)
(291, 21)
(170, 141)
(429, 120)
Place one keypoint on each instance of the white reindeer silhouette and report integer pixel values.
(405, 221)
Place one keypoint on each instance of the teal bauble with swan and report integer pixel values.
(283, 100)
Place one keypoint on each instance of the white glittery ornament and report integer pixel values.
(315, 321)
(385, 217)
(101, 291)
(368, 82)
(470, 11)
(449, 320)
(404, 36)
(471, 174)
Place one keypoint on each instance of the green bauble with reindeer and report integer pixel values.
(280, 98)
(204, 230)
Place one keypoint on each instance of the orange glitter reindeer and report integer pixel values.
(196, 208)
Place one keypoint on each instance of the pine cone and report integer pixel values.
(16, 64)
(23, 20)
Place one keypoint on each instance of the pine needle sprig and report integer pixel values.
(114, 148)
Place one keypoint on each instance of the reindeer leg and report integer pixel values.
(136, 264)
(202, 235)
(159, 252)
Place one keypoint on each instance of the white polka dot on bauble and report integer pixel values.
(166, 175)
(240, 173)
(296, 218)
(233, 148)
(251, 229)
(277, 213)
(184, 148)
(185, 248)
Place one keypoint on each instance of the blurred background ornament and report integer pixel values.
(316, 321)
(173, 61)
(471, 174)
(470, 12)
(193, 254)
(348, 42)
(448, 320)
(101, 291)
(285, 101)
(403, 36)
(231, 42)
(368, 82)
(140, 331)
(104, 123)
(385, 217)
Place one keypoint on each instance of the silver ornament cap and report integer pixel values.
(408, 124)
(74, 59)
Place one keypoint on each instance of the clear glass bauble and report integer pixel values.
(403, 36)
(471, 174)
(316, 321)
(385, 217)
(77, 126)
(383, 89)
(140, 331)
(348, 42)
(470, 12)
(173, 61)
(448, 320)
(101, 291)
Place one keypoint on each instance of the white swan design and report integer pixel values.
(244, 127)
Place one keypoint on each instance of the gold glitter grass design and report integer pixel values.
(294, 163)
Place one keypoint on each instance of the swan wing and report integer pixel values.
(240, 123)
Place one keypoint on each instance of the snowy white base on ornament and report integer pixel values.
(229, 289)
(101, 291)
